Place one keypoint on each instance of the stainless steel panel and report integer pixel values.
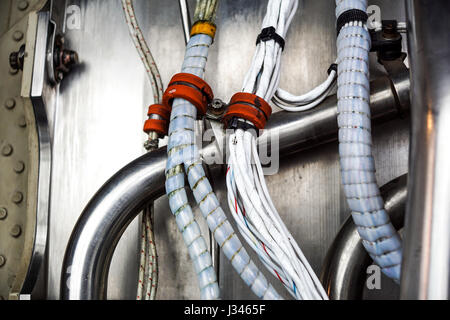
(426, 260)
(101, 109)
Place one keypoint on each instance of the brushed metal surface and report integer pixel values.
(101, 109)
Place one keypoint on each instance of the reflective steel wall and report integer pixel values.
(101, 108)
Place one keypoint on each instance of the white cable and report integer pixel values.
(248, 196)
(291, 103)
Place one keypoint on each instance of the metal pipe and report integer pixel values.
(185, 19)
(97, 232)
(344, 268)
(119, 201)
(426, 261)
(303, 130)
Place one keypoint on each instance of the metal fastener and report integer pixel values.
(2, 261)
(7, 150)
(3, 213)
(17, 197)
(10, 104)
(22, 122)
(23, 5)
(18, 35)
(16, 231)
(19, 167)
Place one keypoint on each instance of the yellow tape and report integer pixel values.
(204, 27)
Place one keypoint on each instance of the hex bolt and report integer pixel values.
(18, 35)
(16, 231)
(17, 197)
(19, 167)
(22, 122)
(2, 261)
(17, 59)
(7, 150)
(3, 213)
(23, 5)
(10, 104)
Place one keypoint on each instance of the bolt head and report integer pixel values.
(22, 122)
(23, 5)
(19, 167)
(7, 150)
(10, 104)
(2, 261)
(3, 213)
(17, 197)
(15, 231)
(18, 35)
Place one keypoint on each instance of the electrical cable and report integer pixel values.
(380, 238)
(184, 159)
(248, 197)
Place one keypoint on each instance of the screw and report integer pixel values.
(7, 150)
(22, 122)
(19, 167)
(16, 231)
(3, 213)
(2, 261)
(217, 107)
(23, 5)
(16, 59)
(17, 197)
(10, 104)
(18, 35)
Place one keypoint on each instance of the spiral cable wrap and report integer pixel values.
(380, 238)
(182, 150)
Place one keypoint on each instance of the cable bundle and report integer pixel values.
(291, 103)
(148, 269)
(184, 159)
(378, 235)
(263, 77)
(260, 224)
(248, 196)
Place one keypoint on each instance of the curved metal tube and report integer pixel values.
(119, 201)
(343, 273)
(103, 222)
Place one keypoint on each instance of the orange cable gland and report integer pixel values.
(249, 107)
(204, 27)
(160, 126)
(156, 125)
(191, 88)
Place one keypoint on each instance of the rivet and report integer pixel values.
(19, 167)
(23, 5)
(2, 261)
(17, 197)
(22, 122)
(10, 104)
(16, 231)
(18, 35)
(7, 150)
(3, 213)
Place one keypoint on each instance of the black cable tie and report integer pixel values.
(268, 34)
(333, 67)
(350, 16)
